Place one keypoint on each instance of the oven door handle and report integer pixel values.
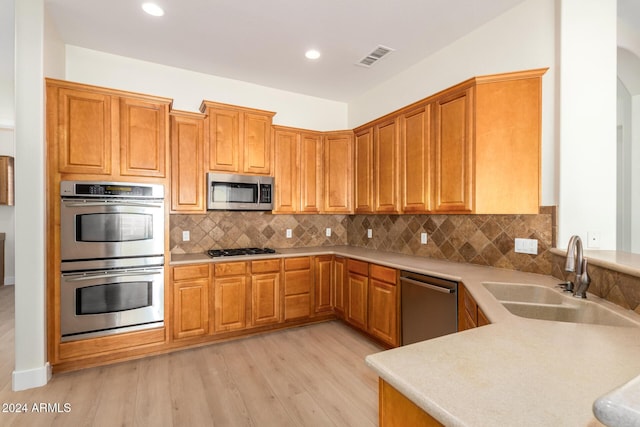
(110, 275)
(119, 203)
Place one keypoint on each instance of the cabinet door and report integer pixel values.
(339, 293)
(83, 130)
(310, 172)
(190, 308)
(385, 167)
(230, 303)
(187, 174)
(265, 295)
(363, 176)
(338, 172)
(257, 144)
(416, 159)
(286, 171)
(143, 138)
(382, 311)
(222, 133)
(357, 290)
(324, 277)
(453, 151)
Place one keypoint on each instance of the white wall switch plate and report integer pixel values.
(423, 238)
(593, 239)
(327, 232)
(527, 246)
(369, 233)
(186, 236)
(289, 233)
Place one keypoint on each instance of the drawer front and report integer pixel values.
(297, 263)
(297, 306)
(265, 266)
(359, 267)
(231, 269)
(297, 282)
(199, 271)
(384, 274)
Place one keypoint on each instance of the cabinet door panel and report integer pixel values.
(265, 293)
(357, 290)
(230, 303)
(386, 168)
(143, 138)
(187, 174)
(453, 155)
(84, 132)
(338, 172)
(257, 144)
(310, 173)
(416, 175)
(363, 176)
(190, 308)
(286, 171)
(383, 312)
(224, 140)
(324, 276)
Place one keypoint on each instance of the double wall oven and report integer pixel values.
(112, 258)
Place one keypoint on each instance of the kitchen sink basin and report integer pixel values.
(524, 293)
(544, 303)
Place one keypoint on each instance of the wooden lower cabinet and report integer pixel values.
(265, 292)
(338, 291)
(395, 410)
(190, 300)
(230, 299)
(357, 293)
(323, 283)
(469, 314)
(383, 304)
(298, 280)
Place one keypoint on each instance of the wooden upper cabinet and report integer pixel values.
(297, 170)
(416, 176)
(453, 151)
(238, 139)
(187, 163)
(338, 172)
(99, 131)
(386, 171)
(143, 137)
(363, 173)
(80, 125)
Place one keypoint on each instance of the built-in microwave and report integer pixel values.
(235, 192)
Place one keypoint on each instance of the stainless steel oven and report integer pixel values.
(110, 220)
(111, 300)
(112, 258)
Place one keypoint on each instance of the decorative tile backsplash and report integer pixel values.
(478, 239)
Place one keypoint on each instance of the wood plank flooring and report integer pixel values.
(309, 376)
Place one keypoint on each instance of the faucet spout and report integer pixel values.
(578, 264)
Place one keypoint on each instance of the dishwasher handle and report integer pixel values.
(428, 285)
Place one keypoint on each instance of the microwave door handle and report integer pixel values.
(110, 275)
(120, 203)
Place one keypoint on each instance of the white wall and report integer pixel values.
(635, 173)
(522, 38)
(189, 88)
(587, 199)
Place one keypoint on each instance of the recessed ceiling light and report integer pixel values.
(152, 9)
(312, 54)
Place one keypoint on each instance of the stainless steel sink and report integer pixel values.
(544, 303)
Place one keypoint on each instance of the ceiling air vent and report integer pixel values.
(377, 54)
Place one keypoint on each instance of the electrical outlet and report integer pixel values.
(423, 238)
(327, 232)
(186, 236)
(289, 233)
(526, 246)
(369, 233)
(593, 240)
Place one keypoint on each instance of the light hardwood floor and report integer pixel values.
(309, 376)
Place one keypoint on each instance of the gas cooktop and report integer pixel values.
(214, 253)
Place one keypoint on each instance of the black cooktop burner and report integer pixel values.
(214, 253)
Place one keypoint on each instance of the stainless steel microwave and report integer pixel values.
(233, 192)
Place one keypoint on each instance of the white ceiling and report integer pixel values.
(263, 41)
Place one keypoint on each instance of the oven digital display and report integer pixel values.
(112, 190)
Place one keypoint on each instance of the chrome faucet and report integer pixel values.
(576, 262)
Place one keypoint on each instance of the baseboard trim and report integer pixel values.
(31, 378)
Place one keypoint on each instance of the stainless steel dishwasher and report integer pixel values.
(429, 307)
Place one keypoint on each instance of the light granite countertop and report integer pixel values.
(516, 371)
